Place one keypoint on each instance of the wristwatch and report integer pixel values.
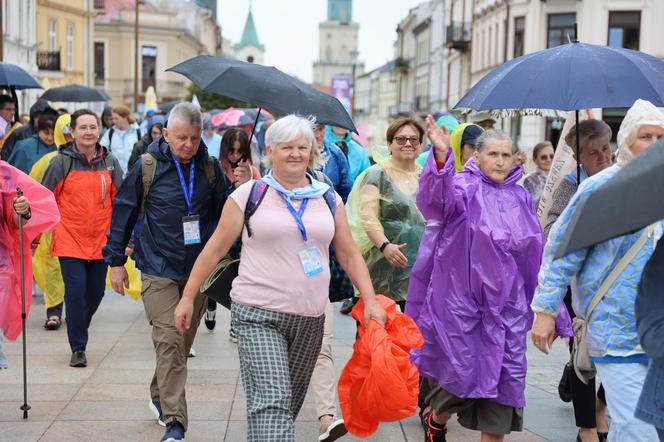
(382, 246)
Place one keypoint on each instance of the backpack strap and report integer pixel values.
(256, 196)
(111, 131)
(148, 170)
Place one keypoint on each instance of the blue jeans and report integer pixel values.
(85, 282)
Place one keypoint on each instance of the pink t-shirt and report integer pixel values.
(271, 275)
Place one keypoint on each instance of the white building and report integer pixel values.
(20, 42)
(376, 93)
(504, 29)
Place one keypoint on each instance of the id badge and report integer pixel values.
(192, 230)
(311, 261)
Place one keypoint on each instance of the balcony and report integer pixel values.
(48, 60)
(458, 36)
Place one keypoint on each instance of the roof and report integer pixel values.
(249, 35)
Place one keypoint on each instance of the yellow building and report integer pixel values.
(65, 29)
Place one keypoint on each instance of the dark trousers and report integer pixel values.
(85, 283)
(54, 311)
(211, 304)
(583, 395)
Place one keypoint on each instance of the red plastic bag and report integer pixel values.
(379, 383)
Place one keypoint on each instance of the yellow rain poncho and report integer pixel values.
(383, 199)
(455, 144)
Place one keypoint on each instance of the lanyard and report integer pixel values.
(188, 193)
(297, 214)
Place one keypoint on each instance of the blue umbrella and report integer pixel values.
(569, 77)
(15, 78)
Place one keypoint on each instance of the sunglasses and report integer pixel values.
(414, 141)
(546, 157)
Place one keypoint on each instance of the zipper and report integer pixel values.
(103, 188)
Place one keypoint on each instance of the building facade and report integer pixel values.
(171, 31)
(376, 93)
(504, 29)
(20, 42)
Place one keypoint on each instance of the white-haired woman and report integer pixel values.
(280, 294)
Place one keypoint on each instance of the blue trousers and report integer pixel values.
(85, 282)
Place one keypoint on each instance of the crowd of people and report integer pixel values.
(442, 220)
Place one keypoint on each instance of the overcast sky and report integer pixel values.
(289, 29)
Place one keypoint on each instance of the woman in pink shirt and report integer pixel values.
(280, 294)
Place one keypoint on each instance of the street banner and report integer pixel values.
(563, 164)
(341, 87)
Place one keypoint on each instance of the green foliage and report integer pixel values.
(211, 101)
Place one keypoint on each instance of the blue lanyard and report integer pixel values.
(188, 193)
(297, 214)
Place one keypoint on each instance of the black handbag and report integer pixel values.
(340, 286)
(219, 283)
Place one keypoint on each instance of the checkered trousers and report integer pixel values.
(278, 353)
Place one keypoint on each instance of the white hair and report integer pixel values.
(186, 113)
(493, 134)
(287, 129)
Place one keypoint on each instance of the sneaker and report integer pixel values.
(192, 353)
(78, 359)
(210, 319)
(434, 431)
(155, 407)
(331, 428)
(174, 432)
(347, 306)
(232, 336)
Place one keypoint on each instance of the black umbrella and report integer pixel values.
(264, 86)
(75, 93)
(166, 107)
(15, 78)
(627, 202)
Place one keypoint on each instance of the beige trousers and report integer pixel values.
(323, 380)
(160, 297)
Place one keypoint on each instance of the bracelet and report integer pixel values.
(382, 247)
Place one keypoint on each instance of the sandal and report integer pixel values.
(53, 323)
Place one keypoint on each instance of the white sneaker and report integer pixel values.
(192, 353)
(331, 428)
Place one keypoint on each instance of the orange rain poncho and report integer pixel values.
(379, 383)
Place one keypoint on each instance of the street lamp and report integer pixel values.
(353, 59)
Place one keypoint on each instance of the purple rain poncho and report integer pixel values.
(472, 301)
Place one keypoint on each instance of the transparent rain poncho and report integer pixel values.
(383, 200)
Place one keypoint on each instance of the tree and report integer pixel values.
(210, 101)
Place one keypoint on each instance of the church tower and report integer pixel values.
(250, 48)
(338, 49)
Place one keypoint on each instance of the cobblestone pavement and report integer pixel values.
(107, 401)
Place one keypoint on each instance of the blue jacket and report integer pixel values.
(27, 152)
(650, 325)
(337, 170)
(358, 159)
(160, 248)
(612, 333)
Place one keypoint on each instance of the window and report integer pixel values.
(624, 29)
(149, 65)
(561, 29)
(70, 46)
(519, 36)
(100, 65)
(52, 35)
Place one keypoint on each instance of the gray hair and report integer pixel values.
(493, 134)
(287, 129)
(186, 113)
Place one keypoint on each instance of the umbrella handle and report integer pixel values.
(253, 129)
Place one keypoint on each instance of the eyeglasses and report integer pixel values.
(546, 157)
(414, 141)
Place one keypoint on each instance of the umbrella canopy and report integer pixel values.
(627, 202)
(74, 93)
(252, 112)
(231, 117)
(166, 107)
(263, 86)
(14, 76)
(573, 76)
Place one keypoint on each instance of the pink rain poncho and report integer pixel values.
(474, 280)
(45, 216)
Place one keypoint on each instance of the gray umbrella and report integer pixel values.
(628, 202)
(74, 93)
(264, 86)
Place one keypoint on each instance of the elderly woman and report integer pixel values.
(476, 313)
(384, 219)
(535, 180)
(611, 326)
(280, 294)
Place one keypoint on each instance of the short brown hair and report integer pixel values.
(80, 113)
(589, 130)
(397, 124)
(124, 112)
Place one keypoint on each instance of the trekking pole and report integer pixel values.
(25, 407)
